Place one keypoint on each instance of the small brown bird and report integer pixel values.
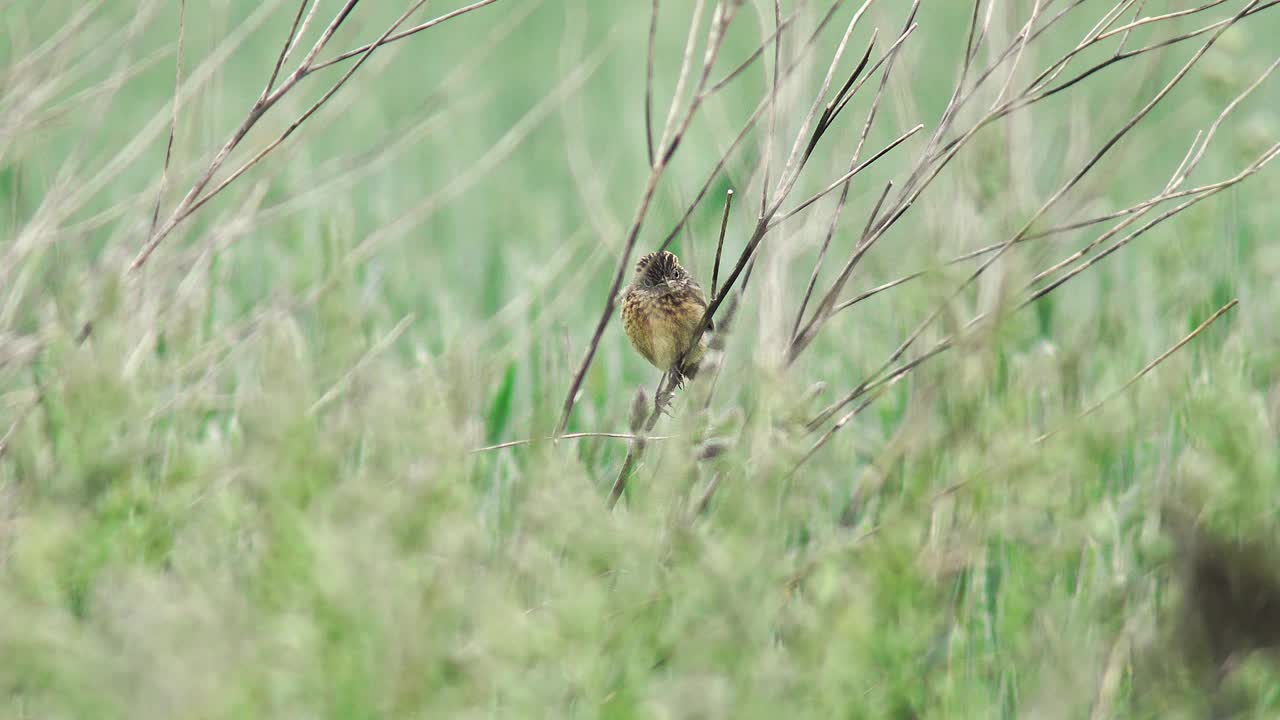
(661, 310)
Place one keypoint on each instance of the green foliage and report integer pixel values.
(222, 496)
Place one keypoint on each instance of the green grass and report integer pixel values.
(187, 531)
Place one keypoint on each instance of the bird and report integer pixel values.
(662, 309)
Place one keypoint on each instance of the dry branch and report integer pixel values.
(271, 94)
(1148, 367)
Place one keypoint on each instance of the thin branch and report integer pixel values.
(795, 162)
(1138, 208)
(566, 436)
(761, 107)
(291, 41)
(724, 224)
(666, 388)
(1146, 368)
(648, 83)
(173, 122)
(875, 291)
(686, 65)
(817, 264)
(402, 35)
(1126, 29)
(364, 360)
(947, 151)
(1124, 39)
(269, 96)
(773, 107)
(784, 188)
(1057, 195)
(769, 39)
(1135, 212)
(1017, 58)
(1213, 129)
(876, 389)
(848, 90)
(871, 383)
(1219, 26)
(1267, 157)
(200, 202)
(847, 176)
(801, 338)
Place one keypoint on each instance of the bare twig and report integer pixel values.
(1065, 187)
(800, 149)
(843, 179)
(876, 390)
(270, 95)
(704, 501)
(874, 291)
(832, 109)
(173, 123)
(773, 106)
(199, 202)
(724, 224)
(666, 388)
(1213, 128)
(1146, 368)
(648, 83)
(364, 360)
(1124, 39)
(792, 171)
(294, 37)
(566, 436)
(872, 383)
(1267, 157)
(770, 38)
(446, 17)
(1017, 58)
(801, 337)
(682, 79)
(764, 105)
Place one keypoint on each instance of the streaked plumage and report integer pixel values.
(661, 309)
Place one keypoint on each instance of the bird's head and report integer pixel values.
(660, 269)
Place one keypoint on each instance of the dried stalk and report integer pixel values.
(1021, 101)
(1146, 368)
(648, 83)
(271, 94)
(1170, 191)
(724, 225)
(566, 436)
(173, 122)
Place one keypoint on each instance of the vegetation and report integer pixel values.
(987, 426)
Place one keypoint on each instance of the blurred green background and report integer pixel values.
(238, 482)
